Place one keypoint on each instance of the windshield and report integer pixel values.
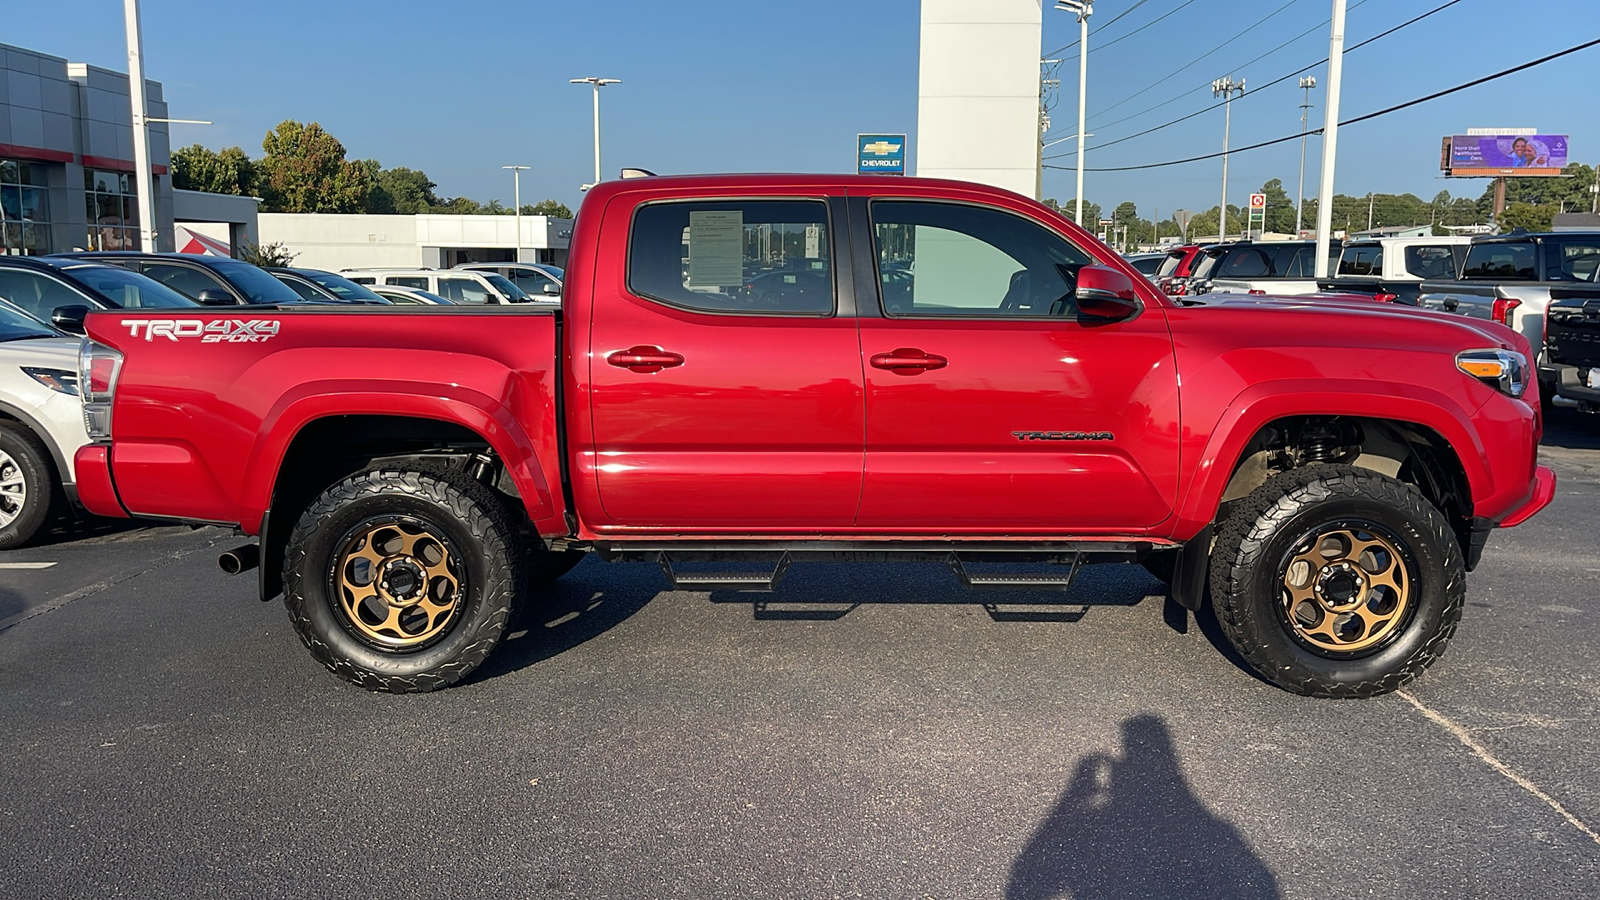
(256, 284)
(504, 286)
(340, 286)
(129, 290)
(16, 325)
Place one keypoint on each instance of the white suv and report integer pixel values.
(41, 424)
(456, 285)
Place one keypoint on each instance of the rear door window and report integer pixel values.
(1511, 261)
(755, 257)
(465, 290)
(1572, 260)
(1362, 261)
(1430, 263)
(421, 283)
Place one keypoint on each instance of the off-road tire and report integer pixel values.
(475, 520)
(42, 487)
(1252, 551)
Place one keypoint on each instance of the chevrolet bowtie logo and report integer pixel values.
(880, 148)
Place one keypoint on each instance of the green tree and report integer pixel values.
(304, 170)
(1527, 216)
(404, 191)
(547, 208)
(1280, 208)
(1091, 212)
(273, 255)
(197, 168)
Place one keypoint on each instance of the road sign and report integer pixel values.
(880, 154)
(1258, 201)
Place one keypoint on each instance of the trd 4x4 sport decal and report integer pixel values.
(1063, 435)
(222, 331)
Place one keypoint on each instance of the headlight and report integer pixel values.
(1504, 370)
(63, 380)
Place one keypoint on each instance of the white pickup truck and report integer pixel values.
(1508, 278)
(1394, 269)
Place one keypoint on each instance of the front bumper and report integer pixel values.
(1544, 489)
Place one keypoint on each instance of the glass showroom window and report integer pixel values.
(24, 208)
(113, 210)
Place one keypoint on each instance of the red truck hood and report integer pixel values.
(1372, 317)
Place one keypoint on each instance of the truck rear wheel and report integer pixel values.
(402, 579)
(28, 489)
(1334, 581)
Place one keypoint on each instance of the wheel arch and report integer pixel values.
(32, 425)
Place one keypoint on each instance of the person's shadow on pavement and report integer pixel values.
(1129, 827)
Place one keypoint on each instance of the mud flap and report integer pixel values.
(1190, 572)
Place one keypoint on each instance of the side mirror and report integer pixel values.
(553, 289)
(216, 297)
(1105, 293)
(69, 318)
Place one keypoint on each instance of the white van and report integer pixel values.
(459, 286)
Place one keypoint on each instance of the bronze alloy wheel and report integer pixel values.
(397, 583)
(1347, 588)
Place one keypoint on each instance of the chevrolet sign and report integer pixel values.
(881, 154)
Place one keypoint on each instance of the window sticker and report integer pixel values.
(716, 248)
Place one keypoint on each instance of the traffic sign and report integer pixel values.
(880, 154)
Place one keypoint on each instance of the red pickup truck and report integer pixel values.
(776, 369)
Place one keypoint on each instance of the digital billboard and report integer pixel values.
(1505, 154)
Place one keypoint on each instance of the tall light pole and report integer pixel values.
(144, 184)
(1082, 9)
(1306, 84)
(516, 198)
(598, 84)
(1225, 88)
(1330, 138)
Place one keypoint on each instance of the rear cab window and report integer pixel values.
(1506, 260)
(757, 257)
(1431, 263)
(1362, 261)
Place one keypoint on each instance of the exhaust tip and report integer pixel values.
(240, 559)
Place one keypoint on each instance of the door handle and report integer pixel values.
(908, 361)
(644, 359)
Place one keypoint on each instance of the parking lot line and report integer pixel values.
(1462, 735)
(32, 565)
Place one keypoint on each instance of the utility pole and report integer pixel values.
(1049, 86)
(1082, 9)
(1330, 138)
(1306, 84)
(598, 84)
(1225, 88)
(516, 197)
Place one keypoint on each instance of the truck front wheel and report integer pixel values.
(402, 579)
(1334, 581)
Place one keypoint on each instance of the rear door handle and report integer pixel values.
(644, 359)
(908, 361)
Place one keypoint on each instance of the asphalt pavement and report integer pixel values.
(867, 731)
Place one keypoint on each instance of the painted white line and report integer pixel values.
(1478, 750)
(27, 565)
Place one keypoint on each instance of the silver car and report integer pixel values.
(41, 424)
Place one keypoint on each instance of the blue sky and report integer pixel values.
(459, 89)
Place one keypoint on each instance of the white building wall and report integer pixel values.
(978, 92)
(336, 241)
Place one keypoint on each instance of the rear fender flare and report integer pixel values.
(1260, 404)
(455, 404)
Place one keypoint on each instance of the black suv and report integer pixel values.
(209, 280)
(62, 291)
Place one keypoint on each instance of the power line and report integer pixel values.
(1196, 60)
(1372, 115)
(1259, 88)
(1113, 21)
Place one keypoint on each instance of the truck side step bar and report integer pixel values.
(1051, 582)
(723, 581)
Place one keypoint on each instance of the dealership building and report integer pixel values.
(347, 241)
(66, 162)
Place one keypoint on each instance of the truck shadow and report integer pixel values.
(1571, 430)
(1128, 826)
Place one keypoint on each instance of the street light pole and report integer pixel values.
(1082, 9)
(144, 183)
(598, 84)
(516, 198)
(1330, 138)
(1306, 84)
(1225, 88)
